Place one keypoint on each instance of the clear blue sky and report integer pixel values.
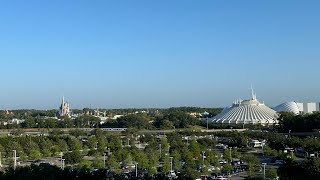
(119, 54)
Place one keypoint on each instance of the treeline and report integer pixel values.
(169, 120)
(300, 123)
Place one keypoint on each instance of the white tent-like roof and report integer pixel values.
(247, 112)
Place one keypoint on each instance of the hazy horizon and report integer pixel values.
(134, 54)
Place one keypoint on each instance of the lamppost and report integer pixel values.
(171, 160)
(264, 170)
(160, 150)
(104, 160)
(0, 162)
(230, 154)
(136, 169)
(61, 156)
(15, 159)
(289, 133)
(203, 152)
(63, 163)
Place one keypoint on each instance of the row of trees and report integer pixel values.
(120, 151)
(300, 123)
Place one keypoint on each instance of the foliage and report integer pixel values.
(73, 157)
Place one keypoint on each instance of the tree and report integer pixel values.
(63, 146)
(74, 144)
(190, 173)
(84, 163)
(98, 162)
(195, 148)
(46, 152)
(253, 164)
(235, 153)
(153, 163)
(73, 157)
(92, 142)
(34, 154)
(113, 164)
(271, 173)
(227, 154)
(227, 168)
(166, 164)
(166, 124)
(142, 159)
(176, 159)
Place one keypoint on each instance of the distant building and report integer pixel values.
(64, 109)
(247, 112)
(298, 108)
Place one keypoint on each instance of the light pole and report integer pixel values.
(63, 164)
(160, 150)
(289, 132)
(203, 152)
(61, 156)
(230, 154)
(0, 162)
(136, 169)
(15, 159)
(171, 160)
(104, 160)
(264, 170)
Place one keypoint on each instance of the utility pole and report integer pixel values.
(15, 159)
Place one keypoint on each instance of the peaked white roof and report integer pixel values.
(247, 112)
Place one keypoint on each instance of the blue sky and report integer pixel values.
(119, 54)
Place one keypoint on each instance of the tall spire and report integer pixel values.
(253, 95)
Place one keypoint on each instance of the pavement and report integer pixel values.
(241, 176)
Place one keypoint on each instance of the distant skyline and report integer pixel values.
(134, 54)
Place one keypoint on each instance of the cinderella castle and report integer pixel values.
(64, 109)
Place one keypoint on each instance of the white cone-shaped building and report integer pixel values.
(247, 112)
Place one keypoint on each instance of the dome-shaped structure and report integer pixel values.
(247, 112)
(288, 107)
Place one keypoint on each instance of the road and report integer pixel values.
(241, 176)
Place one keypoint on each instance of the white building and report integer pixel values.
(247, 112)
(298, 107)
